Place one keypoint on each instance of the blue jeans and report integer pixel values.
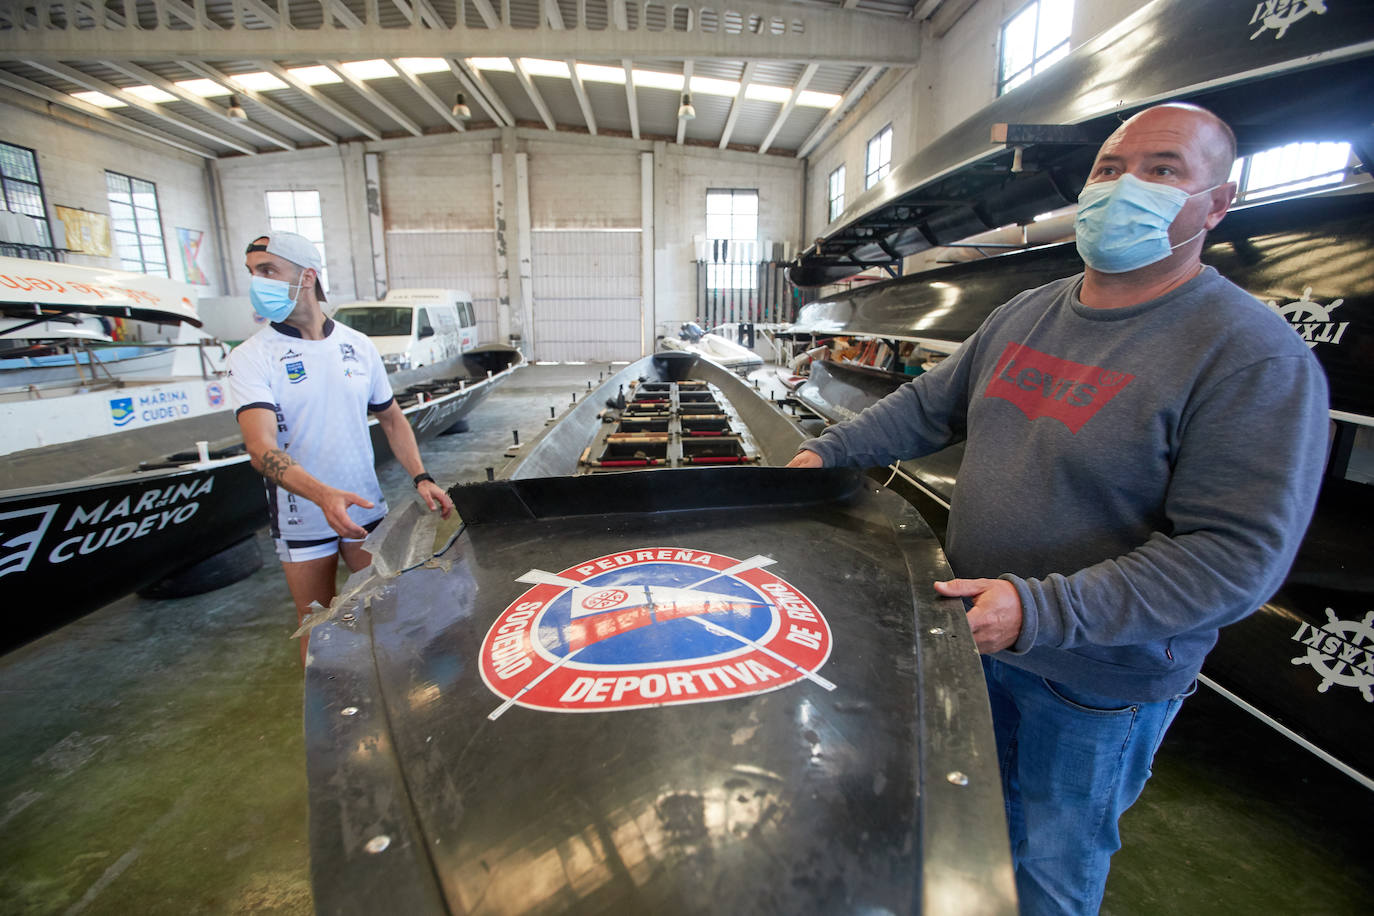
(1072, 762)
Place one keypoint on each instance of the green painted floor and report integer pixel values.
(152, 761)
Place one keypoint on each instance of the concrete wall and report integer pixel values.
(337, 174)
(73, 153)
(955, 77)
(441, 226)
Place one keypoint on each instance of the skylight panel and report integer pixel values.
(418, 65)
(99, 99)
(492, 63)
(708, 86)
(368, 69)
(818, 99)
(535, 66)
(596, 73)
(762, 92)
(318, 75)
(151, 94)
(261, 81)
(204, 88)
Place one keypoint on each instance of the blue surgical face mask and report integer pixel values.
(273, 299)
(1123, 225)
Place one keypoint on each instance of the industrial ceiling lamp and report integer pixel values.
(236, 110)
(461, 111)
(685, 111)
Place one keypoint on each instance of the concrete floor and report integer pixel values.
(152, 761)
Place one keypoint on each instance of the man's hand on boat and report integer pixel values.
(435, 497)
(995, 617)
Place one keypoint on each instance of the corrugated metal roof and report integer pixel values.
(657, 108)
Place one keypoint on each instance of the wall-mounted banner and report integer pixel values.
(87, 232)
(652, 626)
(189, 240)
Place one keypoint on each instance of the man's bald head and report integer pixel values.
(1215, 139)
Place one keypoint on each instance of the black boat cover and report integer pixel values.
(1290, 76)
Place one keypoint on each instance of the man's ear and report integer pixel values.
(1220, 202)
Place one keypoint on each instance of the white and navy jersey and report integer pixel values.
(321, 392)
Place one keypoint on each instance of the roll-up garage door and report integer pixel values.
(448, 259)
(586, 291)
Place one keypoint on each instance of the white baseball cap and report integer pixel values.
(295, 248)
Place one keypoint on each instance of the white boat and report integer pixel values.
(169, 371)
(718, 348)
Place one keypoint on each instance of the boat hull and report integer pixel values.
(151, 510)
(69, 550)
(542, 739)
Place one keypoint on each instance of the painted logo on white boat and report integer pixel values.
(214, 394)
(1280, 14)
(1311, 319)
(1341, 651)
(652, 626)
(122, 411)
(156, 405)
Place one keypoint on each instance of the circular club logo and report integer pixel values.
(214, 394)
(653, 626)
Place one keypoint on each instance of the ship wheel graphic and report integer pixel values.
(1340, 667)
(1305, 310)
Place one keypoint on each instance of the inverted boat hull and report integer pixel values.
(655, 691)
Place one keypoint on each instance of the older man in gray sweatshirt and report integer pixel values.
(1144, 445)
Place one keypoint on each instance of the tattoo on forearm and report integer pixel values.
(275, 463)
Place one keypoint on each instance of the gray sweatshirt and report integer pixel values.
(1141, 475)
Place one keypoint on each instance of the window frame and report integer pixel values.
(731, 272)
(142, 261)
(294, 222)
(1296, 186)
(874, 175)
(42, 198)
(835, 200)
(1037, 56)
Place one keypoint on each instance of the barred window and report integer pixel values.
(137, 224)
(1032, 40)
(23, 190)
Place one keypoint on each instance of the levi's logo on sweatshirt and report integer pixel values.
(1047, 386)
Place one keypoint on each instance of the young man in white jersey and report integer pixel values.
(302, 389)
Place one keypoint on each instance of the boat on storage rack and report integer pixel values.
(1300, 663)
(166, 506)
(58, 383)
(641, 679)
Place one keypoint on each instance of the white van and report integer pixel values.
(415, 327)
